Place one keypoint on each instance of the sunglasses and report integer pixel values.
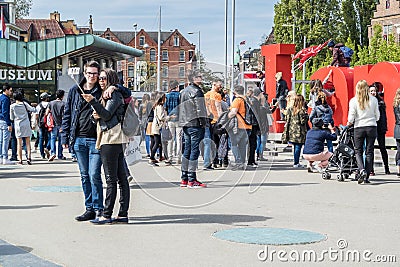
(102, 78)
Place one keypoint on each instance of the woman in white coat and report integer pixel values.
(19, 113)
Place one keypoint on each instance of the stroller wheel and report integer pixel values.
(346, 176)
(340, 177)
(326, 175)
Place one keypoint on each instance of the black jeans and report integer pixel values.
(368, 135)
(253, 143)
(112, 157)
(156, 144)
(382, 148)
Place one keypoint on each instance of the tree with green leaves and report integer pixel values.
(23, 8)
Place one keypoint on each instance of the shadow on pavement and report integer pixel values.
(47, 174)
(227, 219)
(26, 207)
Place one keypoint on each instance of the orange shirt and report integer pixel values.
(240, 105)
(212, 98)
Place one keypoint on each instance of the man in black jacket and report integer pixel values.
(192, 119)
(281, 93)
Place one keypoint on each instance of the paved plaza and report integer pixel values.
(173, 226)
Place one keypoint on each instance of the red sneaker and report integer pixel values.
(184, 183)
(196, 184)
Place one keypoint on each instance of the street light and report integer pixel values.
(198, 49)
(294, 42)
(135, 70)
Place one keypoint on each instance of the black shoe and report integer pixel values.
(208, 168)
(387, 172)
(88, 215)
(215, 165)
(362, 176)
(367, 182)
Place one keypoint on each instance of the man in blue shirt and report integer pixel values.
(171, 102)
(5, 123)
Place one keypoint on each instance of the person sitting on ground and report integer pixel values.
(314, 146)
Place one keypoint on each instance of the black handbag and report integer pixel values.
(345, 150)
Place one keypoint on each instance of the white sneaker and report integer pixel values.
(8, 162)
(130, 178)
(298, 166)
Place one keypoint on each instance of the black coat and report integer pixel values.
(382, 122)
(192, 110)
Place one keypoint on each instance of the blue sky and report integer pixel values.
(254, 18)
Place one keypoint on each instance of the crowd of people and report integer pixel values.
(181, 125)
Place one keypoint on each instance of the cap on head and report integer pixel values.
(44, 95)
(317, 122)
(331, 43)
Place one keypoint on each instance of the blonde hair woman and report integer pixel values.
(363, 114)
(396, 108)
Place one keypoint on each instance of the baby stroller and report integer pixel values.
(343, 159)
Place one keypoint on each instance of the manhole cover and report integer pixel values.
(56, 188)
(269, 236)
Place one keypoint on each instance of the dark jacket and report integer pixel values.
(397, 124)
(382, 122)
(281, 89)
(5, 103)
(324, 112)
(315, 140)
(72, 109)
(110, 115)
(192, 110)
(338, 59)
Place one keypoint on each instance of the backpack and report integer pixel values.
(347, 52)
(249, 117)
(129, 119)
(42, 117)
(224, 123)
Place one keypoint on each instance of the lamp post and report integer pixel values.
(198, 48)
(294, 42)
(135, 70)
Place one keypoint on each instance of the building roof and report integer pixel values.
(52, 27)
(164, 36)
(27, 54)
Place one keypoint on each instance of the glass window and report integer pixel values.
(131, 71)
(152, 55)
(165, 85)
(182, 55)
(152, 70)
(387, 4)
(191, 54)
(176, 40)
(165, 55)
(181, 71)
(165, 71)
(141, 40)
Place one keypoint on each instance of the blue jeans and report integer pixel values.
(239, 141)
(4, 139)
(55, 134)
(329, 144)
(207, 147)
(43, 140)
(297, 151)
(191, 152)
(147, 141)
(89, 162)
(261, 142)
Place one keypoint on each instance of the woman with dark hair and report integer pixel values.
(363, 114)
(109, 141)
(143, 116)
(381, 128)
(19, 113)
(158, 122)
(296, 127)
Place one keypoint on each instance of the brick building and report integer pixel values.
(387, 14)
(177, 58)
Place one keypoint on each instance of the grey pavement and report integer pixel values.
(173, 226)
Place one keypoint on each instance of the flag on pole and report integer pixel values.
(2, 25)
(308, 52)
(243, 42)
